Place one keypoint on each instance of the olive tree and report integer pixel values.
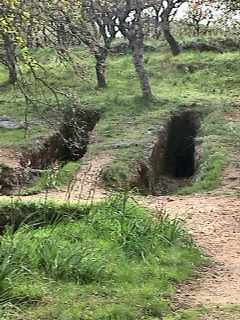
(130, 23)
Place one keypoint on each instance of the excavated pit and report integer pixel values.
(180, 149)
(174, 158)
(69, 142)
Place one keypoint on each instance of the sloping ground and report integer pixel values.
(213, 220)
(9, 157)
(231, 177)
(214, 223)
(86, 185)
(11, 174)
(222, 314)
(128, 123)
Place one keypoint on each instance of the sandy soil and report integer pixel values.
(86, 185)
(214, 222)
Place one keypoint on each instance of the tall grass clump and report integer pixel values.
(133, 228)
(118, 248)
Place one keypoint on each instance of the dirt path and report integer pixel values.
(86, 185)
(215, 226)
(214, 222)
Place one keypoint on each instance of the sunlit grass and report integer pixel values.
(212, 85)
(89, 268)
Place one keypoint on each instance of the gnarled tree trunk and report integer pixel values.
(101, 57)
(10, 58)
(174, 46)
(157, 31)
(138, 60)
(136, 41)
(29, 33)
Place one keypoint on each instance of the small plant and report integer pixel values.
(116, 175)
(58, 176)
(5, 272)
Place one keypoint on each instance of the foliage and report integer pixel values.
(126, 117)
(53, 178)
(116, 251)
(116, 175)
(209, 83)
(209, 175)
(16, 213)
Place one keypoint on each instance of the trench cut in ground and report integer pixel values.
(68, 142)
(180, 150)
(174, 156)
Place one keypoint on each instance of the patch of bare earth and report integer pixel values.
(231, 178)
(9, 157)
(222, 315)
(214, 222)
(86, 185)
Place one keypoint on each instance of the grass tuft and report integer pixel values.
(116, 251)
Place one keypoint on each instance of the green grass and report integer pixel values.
(209, 175)
(212, 87)
(13, 214)
(208, 312)
(53, 178)
(116, 262)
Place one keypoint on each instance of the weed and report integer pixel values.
(53, 178)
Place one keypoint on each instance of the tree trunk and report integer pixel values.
(136, 42)
(174, 46)
(101, 57)
(61, 35)
(10, 58)
(30, 34)
(135, 35)
(157, 31)
(138, 60)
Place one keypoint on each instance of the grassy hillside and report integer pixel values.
(206, 81)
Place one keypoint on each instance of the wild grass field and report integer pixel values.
(205, 81)
(116, 262)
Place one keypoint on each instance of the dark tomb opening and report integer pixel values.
(180, 149)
